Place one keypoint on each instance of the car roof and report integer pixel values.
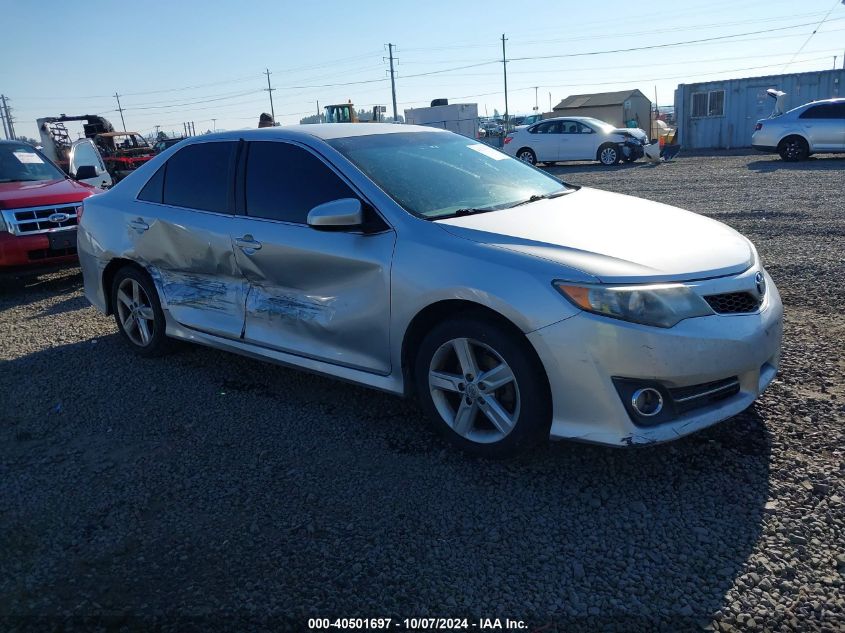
(323, 131)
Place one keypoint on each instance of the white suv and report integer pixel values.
(813, 128)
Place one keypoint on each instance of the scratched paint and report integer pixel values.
(277, 306)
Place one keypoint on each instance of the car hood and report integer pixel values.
(612, 237)
(633, 131)
(16, 195)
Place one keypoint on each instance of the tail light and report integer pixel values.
(759, 126)
(508, 139)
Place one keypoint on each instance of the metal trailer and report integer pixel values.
(722, 114)
(461, 118)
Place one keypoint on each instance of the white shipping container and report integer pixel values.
(461, 118)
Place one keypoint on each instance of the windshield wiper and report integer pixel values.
(462, 212)
(537, 197)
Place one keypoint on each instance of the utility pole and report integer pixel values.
(119, 109)
(157, 126)
(550, 101)
(392, 82)
(3, 116)
(318, 110)
(214, 121)
(270, 89)
(505, 69)
(536, 105)
(184, 129)
(9, 125)
(193, 129)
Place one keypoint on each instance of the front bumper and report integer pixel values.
(25, 251)
(582, 355)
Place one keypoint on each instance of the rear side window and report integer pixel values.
(200, 177)
(152, 191)
(825, 111)
(284, 182)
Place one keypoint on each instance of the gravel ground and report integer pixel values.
(207, 491)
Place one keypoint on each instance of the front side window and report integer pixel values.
(284, 182)
(24, 163)
(569, 127)
(200, 176)
(437, 174)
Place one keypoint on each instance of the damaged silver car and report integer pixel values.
(417, 261)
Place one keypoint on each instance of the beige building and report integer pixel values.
(617, 108)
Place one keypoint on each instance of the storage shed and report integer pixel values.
(618, 108)
(722, 114)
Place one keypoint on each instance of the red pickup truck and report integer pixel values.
(39, 209)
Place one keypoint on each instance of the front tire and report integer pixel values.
(609, 154)
(138, 313)
(526, 154)
(793, 149)
(483, 387)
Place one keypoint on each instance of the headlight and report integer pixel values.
(661, 305)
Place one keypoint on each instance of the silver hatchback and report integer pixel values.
(417, 261)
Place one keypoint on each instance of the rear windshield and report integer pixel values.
(24, 163)
(438, 174)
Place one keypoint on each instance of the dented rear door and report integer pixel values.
(181, 229)
(319, 294)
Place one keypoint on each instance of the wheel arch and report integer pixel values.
(108, 277)
(612, 144)
(436, 313)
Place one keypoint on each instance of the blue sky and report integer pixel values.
(198, 61)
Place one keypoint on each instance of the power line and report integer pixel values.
(658, 46)
(807, 41)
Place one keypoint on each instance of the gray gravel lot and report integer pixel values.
(207, 491)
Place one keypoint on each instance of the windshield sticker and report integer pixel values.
(28, 157)
(488, 151)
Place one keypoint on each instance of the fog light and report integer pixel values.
(647, 401)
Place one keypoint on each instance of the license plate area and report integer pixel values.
(62, 240)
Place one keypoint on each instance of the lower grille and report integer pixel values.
(46, 253)
(734, 303)
(688, 398)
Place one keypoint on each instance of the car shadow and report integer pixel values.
(27, 287)
(829, 162)
(133, 491)
(558, 169)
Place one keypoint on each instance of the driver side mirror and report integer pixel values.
(345, 213)
(84, 172)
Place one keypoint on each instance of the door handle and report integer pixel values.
(247, 243)
(139, 225)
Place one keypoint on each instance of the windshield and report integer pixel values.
(23, 163)
(602, 125)
(440, 174)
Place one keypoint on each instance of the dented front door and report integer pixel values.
(319, 294)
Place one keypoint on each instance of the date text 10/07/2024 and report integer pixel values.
(416, 624)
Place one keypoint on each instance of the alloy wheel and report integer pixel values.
(135, 312)
(474, 390)
(609, 156)
(526, 156)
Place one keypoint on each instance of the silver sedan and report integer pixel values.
(417, 261)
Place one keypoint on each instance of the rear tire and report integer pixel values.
(526, 154)
(609, 154)
(483, 387)
(793, 149)
(138, 313)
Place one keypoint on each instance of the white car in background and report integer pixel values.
(813, 128)
(575, 138)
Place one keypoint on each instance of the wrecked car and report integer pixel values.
(417, 261)
(575, 138)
